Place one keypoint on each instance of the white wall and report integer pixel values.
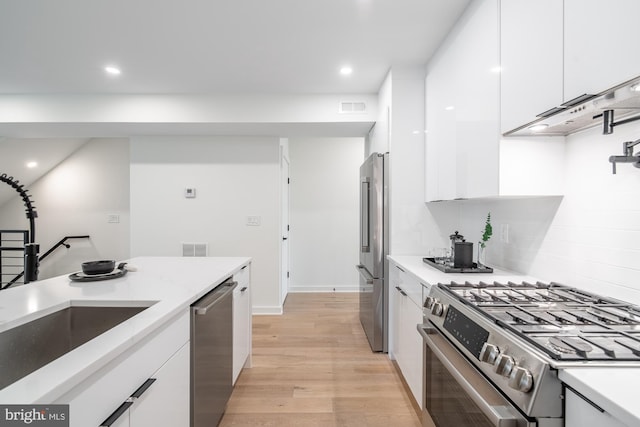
(244, 109)
(590, 238)
(379, 136)
(234, 177)
(324, 213)
(75, 198)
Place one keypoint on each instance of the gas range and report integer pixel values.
(565, 323)
(518, 335)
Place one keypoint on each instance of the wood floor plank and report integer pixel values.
(312, 367)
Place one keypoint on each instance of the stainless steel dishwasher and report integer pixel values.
(212, 355)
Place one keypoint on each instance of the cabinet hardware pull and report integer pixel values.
(400, 269)
(243, 267)
(244, 288)
(117, 413)
(136, 394)
(401, 291)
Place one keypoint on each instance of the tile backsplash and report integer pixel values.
(589, 238)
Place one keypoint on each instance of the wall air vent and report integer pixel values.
(195, 249)
(349, 107)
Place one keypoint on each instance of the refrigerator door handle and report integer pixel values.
(364, 215)
(365, 274)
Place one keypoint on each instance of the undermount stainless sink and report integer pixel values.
(30, 346)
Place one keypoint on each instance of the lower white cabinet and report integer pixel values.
(241, 322)
(166, 402)
(406, 342)
(580, 413)
(163, 356)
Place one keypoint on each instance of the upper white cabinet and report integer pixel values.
(481, 81)
(462, 98)
(531, 34)
(600, 43)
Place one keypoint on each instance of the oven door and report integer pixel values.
(456, 394)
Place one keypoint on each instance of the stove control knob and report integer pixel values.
(428, 302)
(437, 309)
(521, 379)
(489, 353)
(504, 364)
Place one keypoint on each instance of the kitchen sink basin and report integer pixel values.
(28, 347)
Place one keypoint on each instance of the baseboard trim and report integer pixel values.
(306, 289)
(259, 311)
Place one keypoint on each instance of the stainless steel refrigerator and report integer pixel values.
(374, 247)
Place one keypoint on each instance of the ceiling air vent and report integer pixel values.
(348, 107)
(195, 249)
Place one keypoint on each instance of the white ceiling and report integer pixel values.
(214, 46)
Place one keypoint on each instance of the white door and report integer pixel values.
(284, 255)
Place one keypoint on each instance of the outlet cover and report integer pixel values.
(253, 221)
(113, 219)
(504, 233)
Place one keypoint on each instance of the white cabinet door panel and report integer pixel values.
(241, 322)
(600, 45)
(531, 57)
(166, 402)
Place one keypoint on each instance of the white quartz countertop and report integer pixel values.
(611, 388)
(168, 285)
(430, 275)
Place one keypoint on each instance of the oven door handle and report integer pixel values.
(499, 415)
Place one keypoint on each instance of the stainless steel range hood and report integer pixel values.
(607, 109)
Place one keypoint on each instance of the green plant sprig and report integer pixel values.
(488, 231)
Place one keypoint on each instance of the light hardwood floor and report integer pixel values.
(312, 366)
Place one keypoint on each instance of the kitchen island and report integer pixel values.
(119, 359)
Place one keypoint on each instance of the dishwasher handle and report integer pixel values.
(214, 297)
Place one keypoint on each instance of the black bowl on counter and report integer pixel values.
(98, 267)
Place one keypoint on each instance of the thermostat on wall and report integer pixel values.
(190, 193)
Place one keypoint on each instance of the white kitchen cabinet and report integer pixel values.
(440, 148)
(462, 90)
(531, 57)
(406, 342)
(600, 43)
(170, 391)
(466, 157)
(162, 355)
(241, 322)
(580, 413)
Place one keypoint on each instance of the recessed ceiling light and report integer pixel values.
(496, 69)
(32, 165)
(538, 127)
(635, 87)
(346, 70)
(450, 108)
(111, 70)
